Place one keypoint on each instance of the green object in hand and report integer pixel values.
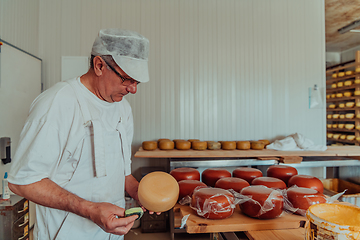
(134, 211)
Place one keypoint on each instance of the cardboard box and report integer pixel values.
(352, 194)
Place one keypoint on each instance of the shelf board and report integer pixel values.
(332, 80)
(341, 130)
(342, 99)
(343, 120)
(338, 89)
(341, 109)
(343, 141)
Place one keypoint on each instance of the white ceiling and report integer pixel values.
(339, 13)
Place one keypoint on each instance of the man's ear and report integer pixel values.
(98, 65)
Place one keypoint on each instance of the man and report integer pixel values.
(73, 158)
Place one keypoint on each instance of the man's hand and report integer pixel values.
(111, 218)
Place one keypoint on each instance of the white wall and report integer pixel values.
(219, 69)
(349, 54)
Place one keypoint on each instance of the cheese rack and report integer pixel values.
(341, 129)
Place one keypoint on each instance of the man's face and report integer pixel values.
(117, 84)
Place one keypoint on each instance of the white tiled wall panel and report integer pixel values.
(219, 69)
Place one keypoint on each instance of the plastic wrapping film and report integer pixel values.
(309, 198)
(261, 209)
(211, 207)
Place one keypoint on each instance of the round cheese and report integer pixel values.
(307, 182)
(231, 183)
(166, 145)
(243, 145)
(341, 74)
(149, 145)
(347, 94)
(158, 191)
(340, 84)
(348, 83)
(349, 73)
(357, 69)
(213, 203)
(163, 139)
(186, 187)
(247, 173)
(334, 75)
(269, 182)
(199, 145)
(303, 198)
(261, 206)
(282, 172)
(228, 145)
(257, 145)
(185, 174)
(183, 145)
(265, 141)
(211, 175)
(211, 145)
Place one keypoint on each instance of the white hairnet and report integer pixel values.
(129, 50)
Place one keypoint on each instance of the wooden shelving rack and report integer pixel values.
(340, 129)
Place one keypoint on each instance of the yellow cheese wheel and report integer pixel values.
(163, 139)
(349, 126)
(341, 74)
(335, 116)
(228, 145)
(334, 126)
(336, 136)
(341, 125)
(333, 85)
(357, 115)
(329, 135)
(166, 145)
(350, 137)
(333, 95)
(340, 84)
(149, 145)
(343, 137)
(347, 83)
(341, 105)
(243, 145)
(212, 145)
(342, 116)
(334, 75)
(350, 104)
(183, 145)
(349, 73)
(265, 141)
(256, 145)
(357, 81)
(349, 115)
(158, 191)
(199, 145)
(357, 93)
(339, 95)
(347, 94)
(358, 104)
(332, 106)
(328, 125)
(358, 139)
(357, 69)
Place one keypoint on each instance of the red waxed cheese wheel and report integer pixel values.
(306, 181)
(248, 174)
(186, 187)
(270, 207)
(303, 198)
(282, 172)
(158, 191)
(269, 182)
(211, 175)
(185, 174)
(213, 203)
(231, 183)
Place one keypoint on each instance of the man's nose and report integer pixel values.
(132, 88)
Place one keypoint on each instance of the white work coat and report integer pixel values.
(92, 162)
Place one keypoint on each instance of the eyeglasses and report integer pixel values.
(125, 81)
